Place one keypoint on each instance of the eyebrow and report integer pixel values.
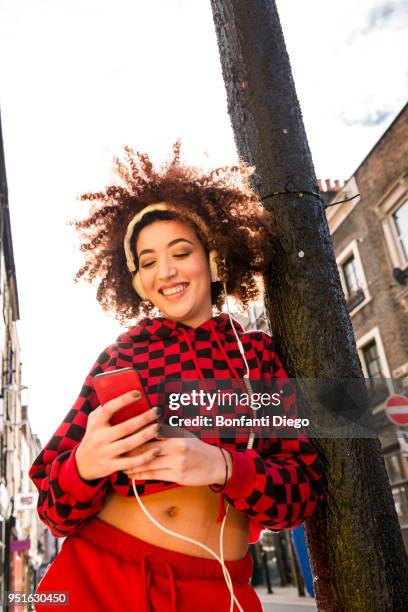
(171, 243)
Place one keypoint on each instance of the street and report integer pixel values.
(285, 599)
(289, 607)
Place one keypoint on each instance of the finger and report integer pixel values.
(134, 463)
(168, 432)
(139, 449)
(109, 408)
(124, 445)
(164, 474)
(121, 430)
(157, 463)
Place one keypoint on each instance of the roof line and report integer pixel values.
(379, 140)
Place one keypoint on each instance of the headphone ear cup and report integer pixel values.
(138, 287)
(212, 257)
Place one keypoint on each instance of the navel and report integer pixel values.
(171, 511)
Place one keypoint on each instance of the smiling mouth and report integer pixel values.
(173, 290)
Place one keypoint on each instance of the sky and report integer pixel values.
(78, 80)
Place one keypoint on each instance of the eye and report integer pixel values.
(147, 264)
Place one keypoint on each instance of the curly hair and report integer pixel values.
(240, 228)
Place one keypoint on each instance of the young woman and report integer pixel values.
(170, 240)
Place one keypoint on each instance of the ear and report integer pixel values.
(212, 257)
(138, 287)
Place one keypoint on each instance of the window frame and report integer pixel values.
(361, 343)
(366, 347)
(352, 250)
(392, 200)
(403, 257)
(400, 459)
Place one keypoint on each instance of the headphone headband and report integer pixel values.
(149, 208)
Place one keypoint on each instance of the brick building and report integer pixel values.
(370, 236)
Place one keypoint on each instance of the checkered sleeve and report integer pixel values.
(279, 486)
(65, 499)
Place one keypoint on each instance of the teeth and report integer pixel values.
(175, 289)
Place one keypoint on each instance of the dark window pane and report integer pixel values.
(351, 275)
(401, 224)
(394, 470)
(372, 360)
(377, 385)
(400, 494)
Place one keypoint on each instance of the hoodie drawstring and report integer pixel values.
(223, 351)
(213, 332)
(193, 355)
(146, 578)
(172, 582)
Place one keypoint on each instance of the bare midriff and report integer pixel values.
(190, 511)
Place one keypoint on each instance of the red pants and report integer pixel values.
(104, 569)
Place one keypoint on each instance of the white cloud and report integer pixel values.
(348, 77)
(391, 15)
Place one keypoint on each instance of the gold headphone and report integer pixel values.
(136, 282)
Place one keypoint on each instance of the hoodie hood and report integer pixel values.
(216, 328)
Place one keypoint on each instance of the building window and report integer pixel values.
(374, 370)
(400, 494)
(392, 210)
(352, 278)
(372, 360)
(400, 217)
(397, 467)
(352, 281)
(351, 275)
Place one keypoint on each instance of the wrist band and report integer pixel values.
(218, 488)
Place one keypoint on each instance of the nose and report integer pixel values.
(167, 269)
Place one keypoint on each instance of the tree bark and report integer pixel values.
(357, 553)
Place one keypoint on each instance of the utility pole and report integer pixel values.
(357, 554)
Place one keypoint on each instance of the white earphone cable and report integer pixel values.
(251, 437)
(192, 541)
(220, 558)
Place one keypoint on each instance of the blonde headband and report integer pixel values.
(130, 261)
(128, 251)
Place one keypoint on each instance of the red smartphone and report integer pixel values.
(110, 385)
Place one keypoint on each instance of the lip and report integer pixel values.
(174, 296)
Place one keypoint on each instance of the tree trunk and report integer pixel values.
(357, 554)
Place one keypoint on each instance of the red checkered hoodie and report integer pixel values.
(277, 483)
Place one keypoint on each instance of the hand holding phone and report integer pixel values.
(104, 448)
(109, 385)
